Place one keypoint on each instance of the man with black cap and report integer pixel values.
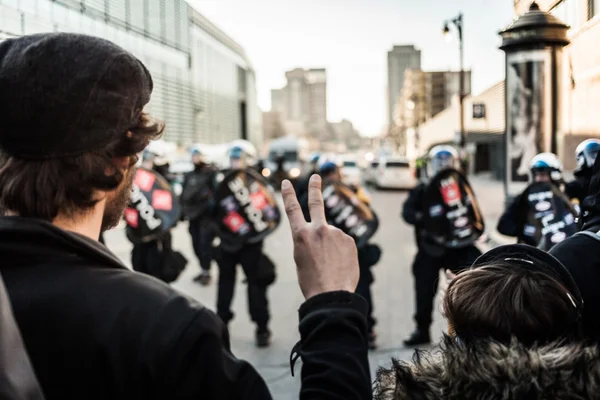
(71, 124)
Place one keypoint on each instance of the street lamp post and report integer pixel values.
(458, 23)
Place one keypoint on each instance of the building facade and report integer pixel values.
(399, 59)
(204, 85)
(302, 103)
(484, 117)
(580, 76)
(424, 95)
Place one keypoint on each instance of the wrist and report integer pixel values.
(338, 298)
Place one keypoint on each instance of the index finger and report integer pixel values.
(315, 200)
(292, 207)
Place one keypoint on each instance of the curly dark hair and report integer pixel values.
(44, 189)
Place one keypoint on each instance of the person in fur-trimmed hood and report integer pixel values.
(514, 332)
(491, 370)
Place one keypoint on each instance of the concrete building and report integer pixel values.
(399, 59)
(272, 125)
(424, 95)
(204, 85)
(580, 71)
(303, 103)
(484, 131)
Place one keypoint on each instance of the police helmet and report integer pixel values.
(441, 158)
(156, 157)
(236, 153)
(327, 168)
(586, 154)
(547, 163)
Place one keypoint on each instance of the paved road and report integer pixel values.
(393, 295)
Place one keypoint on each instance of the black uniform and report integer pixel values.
(519, 218)
(579, 252)
(430, 258)
(513, 220)
(196, 200)
(148, 257)
(302, 185)
(95, 330)
(249, 256)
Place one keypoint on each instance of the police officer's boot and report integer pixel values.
(263, 337)
(418, 337)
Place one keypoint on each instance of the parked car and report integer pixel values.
(395, 173)
(351, 174)
(371, 172)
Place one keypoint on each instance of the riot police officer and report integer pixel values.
(196, 199)
(431, 254)
(302, 186)
(523, 215)
(148, 256)
(368, 255)
(585, 154)
(249, 256)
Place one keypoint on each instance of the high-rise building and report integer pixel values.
(427, 93)
(424, 95)
(302, 103)
(204, 84)
(400, 58)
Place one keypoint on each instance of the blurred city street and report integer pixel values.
(392, 290)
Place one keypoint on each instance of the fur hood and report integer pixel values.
(493, 371)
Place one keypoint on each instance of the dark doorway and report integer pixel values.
(482, 158)
(243, 120)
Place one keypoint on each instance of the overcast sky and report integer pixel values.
(351, 39)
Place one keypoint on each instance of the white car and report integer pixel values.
(371, 172)
(395, 173)
(351, 174)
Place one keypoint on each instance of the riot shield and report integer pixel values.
(246, 209)
(452, 217)
(346, 212)
(153, 209)
(551, 218)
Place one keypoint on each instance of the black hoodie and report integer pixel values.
(579, 254)
(96, 330)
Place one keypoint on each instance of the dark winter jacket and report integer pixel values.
(578, 254)
(17, 378)
(579, 188)
(493, 371)
(96, 330)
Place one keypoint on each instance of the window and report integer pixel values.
(568, 12)
(397, 164)
(594, 8)
(289, 156)
(349, 163)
